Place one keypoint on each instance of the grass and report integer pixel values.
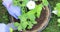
(53, 25)
(3, 14)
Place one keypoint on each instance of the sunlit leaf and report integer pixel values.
(45, 2)
(16, 24)
(58, 20)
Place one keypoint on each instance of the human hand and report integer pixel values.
(4, 28)
(14, 11)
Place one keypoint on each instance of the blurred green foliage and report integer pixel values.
(53, 25)
(3, 14)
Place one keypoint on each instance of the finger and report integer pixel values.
(15, 9)
(7, 3)
(12, 14)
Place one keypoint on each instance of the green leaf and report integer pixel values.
(29, 25)
(58, 4)
(16, 24)
(58, 14)
(24, 25)
(22, 18)
(31, 16)
(39, 9)
(45, 2)
(15, 2)
(19, 28)
(58, 9)
(34, 22)
(58, 20)
(25, 2)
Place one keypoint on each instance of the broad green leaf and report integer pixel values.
(39, 9)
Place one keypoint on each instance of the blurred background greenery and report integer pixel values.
(3, 14)
(52, 26)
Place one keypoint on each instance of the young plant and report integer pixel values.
(28, 16)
